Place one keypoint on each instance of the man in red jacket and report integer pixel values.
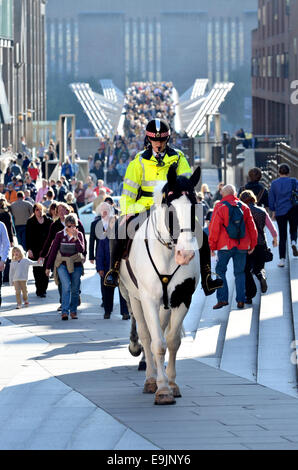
(227, 247)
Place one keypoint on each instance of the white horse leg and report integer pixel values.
(164, 317)
(144, 335)
(173, 343)
(163, 395)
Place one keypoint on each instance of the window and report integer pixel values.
(264, 64)
(278, 65)
(269, 66)
(6, 19)
(285, 65)
(254, 67)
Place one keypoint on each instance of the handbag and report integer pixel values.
(268, 255)
(294, 193)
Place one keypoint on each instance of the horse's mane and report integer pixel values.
(158, 192)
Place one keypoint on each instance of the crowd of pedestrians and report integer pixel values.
(43, 214)
(236, 224)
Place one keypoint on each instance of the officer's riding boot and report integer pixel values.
(116, 250)
(209, 285)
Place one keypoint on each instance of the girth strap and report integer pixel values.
(130, 271)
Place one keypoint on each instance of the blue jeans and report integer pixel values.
(70, 284)
(21, 235)
(239, 261)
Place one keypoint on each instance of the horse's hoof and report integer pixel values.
(176, 391)
(136, 350)
(164, 397)
(142, 365)
(150, 386)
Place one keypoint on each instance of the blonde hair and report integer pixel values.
(205, 188)
(18, 249)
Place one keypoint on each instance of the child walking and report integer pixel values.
(18, 274)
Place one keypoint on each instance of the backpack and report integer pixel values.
(294, 193)
(236, 227)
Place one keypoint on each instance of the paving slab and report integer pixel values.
(73, 385)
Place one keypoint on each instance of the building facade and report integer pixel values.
(129, 40)
(274, 68)
(23, 69)
(6, 72)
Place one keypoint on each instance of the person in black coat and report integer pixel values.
(93, 239)
(254, 185)
(37, 229)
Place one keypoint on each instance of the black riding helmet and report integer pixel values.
(158, 129)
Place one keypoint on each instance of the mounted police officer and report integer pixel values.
(148, 168)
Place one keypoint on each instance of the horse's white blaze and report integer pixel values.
(187, 243)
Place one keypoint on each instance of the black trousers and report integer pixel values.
(108, 299)
(254, 265)
(282, 221)
(41, 279)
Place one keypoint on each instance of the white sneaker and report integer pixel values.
(282, 263)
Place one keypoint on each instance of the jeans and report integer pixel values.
(70, 284)
(21, 235)
(239, 261)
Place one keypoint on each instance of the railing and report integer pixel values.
(284, 154)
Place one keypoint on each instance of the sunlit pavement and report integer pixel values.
(74, 385)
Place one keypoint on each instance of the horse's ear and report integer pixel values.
(172, 176)
(195, 177)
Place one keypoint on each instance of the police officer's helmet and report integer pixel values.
(158, 129)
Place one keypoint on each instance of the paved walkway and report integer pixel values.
(74, 385)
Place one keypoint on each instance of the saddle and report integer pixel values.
(127, 248)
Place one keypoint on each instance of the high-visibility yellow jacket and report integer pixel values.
(143, 174)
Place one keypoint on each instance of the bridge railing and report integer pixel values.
(284, 154)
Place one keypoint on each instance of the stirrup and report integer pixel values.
(112, 278)
(213, 283)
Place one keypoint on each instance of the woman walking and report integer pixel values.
(66, 258)
(37, 230)
(284, 210)
(255, 262)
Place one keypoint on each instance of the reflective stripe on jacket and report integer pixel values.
(143, 174)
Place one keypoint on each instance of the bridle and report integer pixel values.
(164, 278)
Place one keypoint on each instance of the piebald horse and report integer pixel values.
(159, 281)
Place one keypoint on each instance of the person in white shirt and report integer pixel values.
(18, 274)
